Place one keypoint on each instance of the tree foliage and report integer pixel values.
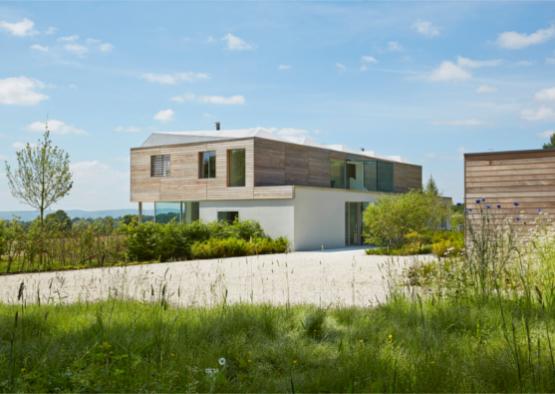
(551, 143)
(42, 175)
(388, 222)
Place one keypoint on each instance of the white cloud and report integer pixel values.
(365, 61)
(76, 49)
(340, 67)
(56, 127)
(175, 78)
(394, 46)
(39, 48)
(524, 63)
(231, 100)
(19, 29)
(449, 71)
(21, 91)
(165, 115)
(425, 28)
(485, 89)
(470, 63)
(71, 38)
(234, 43)
(105, 47)
(514, 40)
(284, 67)
(550, 60)
(545, 94)
(546, 134)
(51, 30)
(127, 129)
(223, 100)
(459, 122)
(539, 114)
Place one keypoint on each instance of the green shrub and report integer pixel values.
(233, 247)
(391, 219)
(448, 243)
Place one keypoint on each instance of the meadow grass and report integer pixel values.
(433, 345)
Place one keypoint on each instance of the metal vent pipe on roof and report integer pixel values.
(217, 125)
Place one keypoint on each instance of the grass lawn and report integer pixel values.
(402, 346)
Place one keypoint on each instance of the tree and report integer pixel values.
(58, 220)
(551, 143)
(431, 187)
(42, 175)
(391, 219)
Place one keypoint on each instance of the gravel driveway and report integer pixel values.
(335, 277)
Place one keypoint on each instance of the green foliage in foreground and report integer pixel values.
(402, 346)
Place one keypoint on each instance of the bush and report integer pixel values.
(391, 219)
(448, 243)
(233, 247)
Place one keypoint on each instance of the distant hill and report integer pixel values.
(73, 213)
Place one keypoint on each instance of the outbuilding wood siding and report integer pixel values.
(505, 178)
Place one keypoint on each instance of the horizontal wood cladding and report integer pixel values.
(406, 177)
(272, 168)
(278, 163)
(521, 183)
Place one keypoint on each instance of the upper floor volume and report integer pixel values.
(254, 164)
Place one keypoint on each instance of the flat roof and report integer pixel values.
(175, 138)
(509, 154)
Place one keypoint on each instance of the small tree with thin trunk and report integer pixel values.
(42, 175)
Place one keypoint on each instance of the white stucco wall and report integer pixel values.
(275, 216)
(320, 216)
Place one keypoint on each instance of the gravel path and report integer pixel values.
(337, 277)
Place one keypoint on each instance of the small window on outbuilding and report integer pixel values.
(160, 165)
(228, 216)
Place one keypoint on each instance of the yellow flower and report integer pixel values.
(390, 338)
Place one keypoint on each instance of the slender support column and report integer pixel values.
(140, 211)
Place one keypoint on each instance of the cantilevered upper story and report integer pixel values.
(254, 164)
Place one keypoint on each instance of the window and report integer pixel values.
(228, 216)
(337, 171)
(236, 167)
(370, 175)
(207, 164)
(160, 165)
(178, 211)
(385, 176)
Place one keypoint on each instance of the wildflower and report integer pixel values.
(478, 201)
(483, 199)
(539, 210)
(294, 362)
(221, 361)
(517, 219)
(390, 338)
(516, 204)
(211, 372)
(498, 206)
(488, 206)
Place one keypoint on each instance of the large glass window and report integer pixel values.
(228, 216)
(385, 176)
(160, 165)
(236, 167)
(370, 175)
(337, 172)
(207, 164)
(178, 211)
(355, 175)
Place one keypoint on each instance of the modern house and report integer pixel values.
(517, 184)
(313, 195)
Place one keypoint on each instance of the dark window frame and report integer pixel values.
(228, 216)
(229, 154)
(204, 163)
(160, 166)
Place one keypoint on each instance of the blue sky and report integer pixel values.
(423, 81)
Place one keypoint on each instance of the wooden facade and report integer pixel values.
(516, 184)
(272, 169)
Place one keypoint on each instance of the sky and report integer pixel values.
(421, 81)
